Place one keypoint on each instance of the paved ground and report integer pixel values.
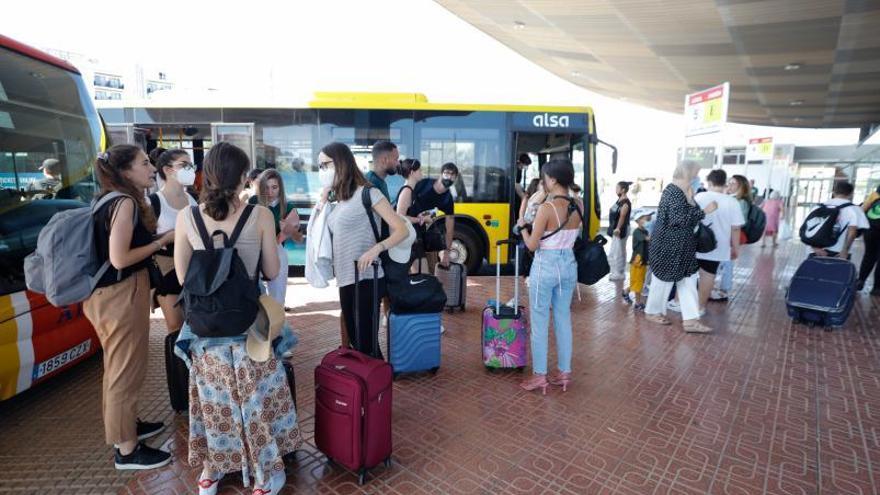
(760, 406)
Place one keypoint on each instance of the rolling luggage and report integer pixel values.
(177, 374)
(414, 342)
(505, 332)
(822, 292)
(454, 281)
(353, 404)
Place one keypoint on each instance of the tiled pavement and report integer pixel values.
(759, 406)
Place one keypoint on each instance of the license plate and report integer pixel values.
(61, 360)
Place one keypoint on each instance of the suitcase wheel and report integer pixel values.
(394, 376)
(828, 328)
(490, 369)
(388, 462)
(362, 477)
(450, 310)
(434, 370)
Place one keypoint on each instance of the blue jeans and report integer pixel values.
(725, 272)
(551, 284)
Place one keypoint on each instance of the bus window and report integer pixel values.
(474, 142)
(361, 129)
(44, 119)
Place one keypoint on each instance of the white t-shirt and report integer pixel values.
(851, 216)
(728, 215)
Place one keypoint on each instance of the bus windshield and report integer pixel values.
(49, 137)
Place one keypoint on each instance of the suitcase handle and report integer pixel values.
(357, 306)
(498, 245)
(351, 353)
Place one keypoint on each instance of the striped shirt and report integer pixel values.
(352, 235)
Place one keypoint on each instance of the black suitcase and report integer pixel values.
(822, 292)
(177, 374)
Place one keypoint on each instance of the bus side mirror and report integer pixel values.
(613, 155)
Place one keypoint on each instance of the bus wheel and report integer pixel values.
(466, 249)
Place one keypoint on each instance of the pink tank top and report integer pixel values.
(564, 239)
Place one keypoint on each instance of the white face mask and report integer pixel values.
(186, 176)
(326, 177)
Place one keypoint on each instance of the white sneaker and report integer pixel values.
(718, 295)
(442, 329)
(673, 306)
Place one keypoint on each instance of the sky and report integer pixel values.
(281, 50)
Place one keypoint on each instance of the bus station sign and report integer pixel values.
(705, 112)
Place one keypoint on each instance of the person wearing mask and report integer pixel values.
(871, 207)
(618, 228)
(354, 240)
(242, 416)
(119, 308)
(434, 193)
(251, 187)
(850, 220)
(738, 187)
(386, 157)
(553, 276)
(772, 208)
(725, 223)
(177, 172)
(522, 164)
(270, 193)
(672, 250)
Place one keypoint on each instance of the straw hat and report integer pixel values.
(266, 328)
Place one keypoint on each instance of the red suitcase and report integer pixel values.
(353, 405)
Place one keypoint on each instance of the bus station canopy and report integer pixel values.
(800, 63)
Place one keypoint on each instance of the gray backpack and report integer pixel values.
(65, 265)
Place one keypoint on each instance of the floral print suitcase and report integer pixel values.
(505, 332)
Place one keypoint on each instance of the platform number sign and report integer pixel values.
(706, 112)
(759, 149)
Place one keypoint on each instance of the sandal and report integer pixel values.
(658, 319)
(694, 326)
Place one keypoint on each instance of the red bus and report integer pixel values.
(50, 135)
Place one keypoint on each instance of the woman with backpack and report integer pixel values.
(871, 207)
(354, 240)
(177, 172)
(119, 307)
(553, 275)
(270, 193)
(242, 415)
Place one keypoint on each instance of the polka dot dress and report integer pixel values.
(673, 246)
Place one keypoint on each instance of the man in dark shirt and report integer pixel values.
(434, 193)
(385, 160)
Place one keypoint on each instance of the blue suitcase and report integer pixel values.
(414, 342)
(822, 292)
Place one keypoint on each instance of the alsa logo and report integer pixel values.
(548, 120)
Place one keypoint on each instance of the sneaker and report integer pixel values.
(860, 285)
(442, 329)
(146, 429)
(702, 313)
(639, 307)
(626, 297)
(142, 457)
(673, 306)
(718, 295)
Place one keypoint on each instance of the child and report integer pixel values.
(639, 263)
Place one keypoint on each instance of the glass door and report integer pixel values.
(241, 135)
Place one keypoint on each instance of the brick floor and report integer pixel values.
(759, 406)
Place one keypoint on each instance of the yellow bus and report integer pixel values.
(482, 140)
(48, 125)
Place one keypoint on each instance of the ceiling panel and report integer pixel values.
(823, 54)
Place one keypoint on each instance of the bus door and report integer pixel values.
(541, 148)
(241, 135)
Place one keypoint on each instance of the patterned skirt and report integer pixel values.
(242, 416)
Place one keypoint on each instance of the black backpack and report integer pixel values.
(820, 227)
(756, 222)
(220, 298)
